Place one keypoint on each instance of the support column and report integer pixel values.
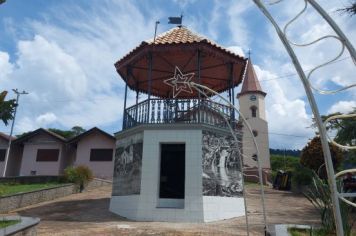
(232, 90)
(149, 85)
(125, 115)
(136, 107)
(199, 81)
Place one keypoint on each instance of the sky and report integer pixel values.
(63, 53)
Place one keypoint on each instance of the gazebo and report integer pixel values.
(175, 157)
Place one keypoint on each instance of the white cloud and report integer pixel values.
(284, 115)
(25, 124)
(45, 119)
(237, 50)
(342, 107)
(67, 67)
(5, 66)
(237, 24)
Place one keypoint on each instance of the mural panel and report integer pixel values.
(128, 166)
(221, 166)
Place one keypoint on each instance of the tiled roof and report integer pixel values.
(37, 131)
(251, 83)
(5, 136)
(181, 34)
(92, 130)
(177, 35)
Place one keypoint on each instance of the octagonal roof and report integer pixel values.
(179, 47)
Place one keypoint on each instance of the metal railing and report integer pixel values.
(164, 111)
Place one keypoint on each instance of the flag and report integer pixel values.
(175, 20)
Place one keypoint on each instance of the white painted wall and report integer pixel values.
(101, 169)
(196, 207)
(3, 145)
(259, 124)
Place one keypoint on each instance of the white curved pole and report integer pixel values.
(315, 110)
(195, 85)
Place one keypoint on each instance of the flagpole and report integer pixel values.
(156, 25)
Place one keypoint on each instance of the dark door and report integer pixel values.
(172, 174)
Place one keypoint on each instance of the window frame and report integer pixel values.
(45, 157)
(93, 158)
(2, 158)
(253, 111)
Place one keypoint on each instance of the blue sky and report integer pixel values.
(62, 53)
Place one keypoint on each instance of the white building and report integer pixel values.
(175, 158)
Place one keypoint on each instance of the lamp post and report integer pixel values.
(12, 128)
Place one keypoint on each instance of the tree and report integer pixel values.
(76, 130)
(7, 108)
(351, 9)
(313, 157)
(345, 128)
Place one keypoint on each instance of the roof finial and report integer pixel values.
(249, 53)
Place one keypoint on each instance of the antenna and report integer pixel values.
(156, 25)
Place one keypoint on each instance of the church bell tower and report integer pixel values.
(252, 107)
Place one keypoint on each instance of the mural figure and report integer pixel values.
(221, 165)
(127, 169)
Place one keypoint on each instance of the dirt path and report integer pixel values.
(87, 214)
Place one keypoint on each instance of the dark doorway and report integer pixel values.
(172, 176)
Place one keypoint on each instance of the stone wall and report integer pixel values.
(26, 226)
(96, 183)
(25, 199)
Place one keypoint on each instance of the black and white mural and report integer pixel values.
(128, 166)
(221, 166)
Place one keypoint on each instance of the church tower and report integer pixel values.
(252, 107)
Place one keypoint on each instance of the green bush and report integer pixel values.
(79, 175)
(287, 163)
(319, 194)
(302, 176)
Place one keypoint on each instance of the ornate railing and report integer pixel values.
(163, 111)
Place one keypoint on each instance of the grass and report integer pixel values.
(306, 232)
(10, 189)
(6, 223)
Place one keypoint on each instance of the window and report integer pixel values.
(253, 111)
(47, 155)
(103, 154)
(33, 172)
(255, 133)
(2, 154)
(254, 157)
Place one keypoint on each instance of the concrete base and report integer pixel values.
(209, 209)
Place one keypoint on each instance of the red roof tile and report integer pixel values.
(5, 136)
(250, 82)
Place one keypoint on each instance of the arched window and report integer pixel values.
(255, 133)
(254, 157)
(253, 111)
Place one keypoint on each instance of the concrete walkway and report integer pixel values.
(87, 214)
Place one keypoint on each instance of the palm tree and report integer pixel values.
(7, 108)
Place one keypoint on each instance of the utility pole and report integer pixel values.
(284, 158)
(12, 129)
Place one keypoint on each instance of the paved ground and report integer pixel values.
(87, 214)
